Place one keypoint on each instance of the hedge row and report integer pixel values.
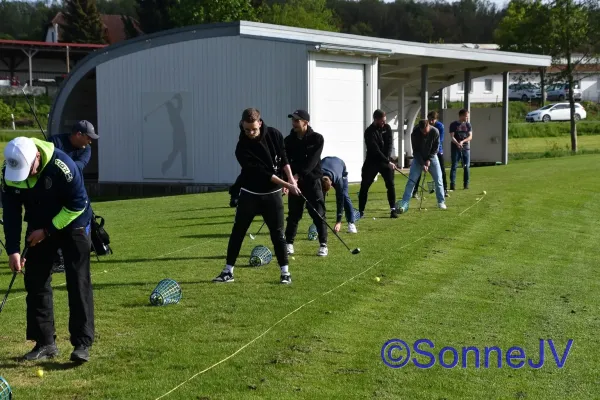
(551, 129)
(17, 105)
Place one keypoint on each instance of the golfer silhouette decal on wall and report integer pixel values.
(174, 107)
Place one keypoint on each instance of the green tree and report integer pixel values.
(154, 15)
(309, 14)
(561, 29)
(194, 12)
(82, 23)
(130, 28)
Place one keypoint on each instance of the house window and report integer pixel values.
(489, 85)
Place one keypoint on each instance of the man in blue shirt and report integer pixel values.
(336, 175)
(433, 121)
(77, 146)
(462, 133)
(48, 185)
(77, 143)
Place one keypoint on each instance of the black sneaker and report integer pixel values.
(452, 187)
(446, 194)
(40, 352)
(466, 186)
(362, 214)
(393, 214)
(286, 279)
(224, 277)
(81, 353)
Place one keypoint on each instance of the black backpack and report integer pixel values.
(100, 238)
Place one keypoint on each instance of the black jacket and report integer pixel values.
(379, 144)
(260, 159)
(305, 154)
(425, 147)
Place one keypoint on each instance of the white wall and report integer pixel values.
(479, 94)
(217, 78)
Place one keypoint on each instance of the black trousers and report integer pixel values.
(75, 245)
(369, 172)
(442, 167)
(270, 206)
(313, 192)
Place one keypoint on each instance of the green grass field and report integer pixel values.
(518, 265)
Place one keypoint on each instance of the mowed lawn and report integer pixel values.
(518, 265)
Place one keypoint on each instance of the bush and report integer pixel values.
(551, 129)
(18, 106)
(5, 112)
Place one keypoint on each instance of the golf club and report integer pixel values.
(33, 112)
(423, 190)
(355, 251)
(254, 236)
(406, 176)
(11, 282)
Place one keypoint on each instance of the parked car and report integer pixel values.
(524, 91)
(561, 92)
(556, 112)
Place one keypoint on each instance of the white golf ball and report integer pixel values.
(373, 217)
(293, 258)
(484, 192)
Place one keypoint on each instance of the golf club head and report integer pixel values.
(252, 236)
(356, 251)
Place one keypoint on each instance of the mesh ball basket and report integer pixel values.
(260, 256)
(166, 292)
(5, 391)
(312, 232)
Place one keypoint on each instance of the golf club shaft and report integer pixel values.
(8, 291)
(406, 176)
(323, 219)
(33, 112)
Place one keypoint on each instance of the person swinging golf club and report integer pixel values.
(303, 147)
(47, 183)
(425, 144)
(260, 152)
(379, 142)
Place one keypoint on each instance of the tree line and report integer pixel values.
(423, 21)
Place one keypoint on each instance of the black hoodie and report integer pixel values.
(260, 159)
(305, 154)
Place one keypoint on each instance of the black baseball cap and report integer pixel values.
(86, 128)
(300, 114)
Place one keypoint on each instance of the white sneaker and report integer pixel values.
(442, 205)
(323, 251)
(352, 228)
(290, 248)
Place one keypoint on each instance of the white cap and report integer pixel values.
(19, 154)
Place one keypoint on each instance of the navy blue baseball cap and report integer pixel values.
(300, 114)
(86, 128)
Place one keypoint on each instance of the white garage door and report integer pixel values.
(337, 112)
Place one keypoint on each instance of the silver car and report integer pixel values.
(561, 92)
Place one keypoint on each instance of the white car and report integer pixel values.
(556, 112)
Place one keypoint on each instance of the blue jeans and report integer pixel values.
(348, 207)
(416, 168)
(465, 157)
